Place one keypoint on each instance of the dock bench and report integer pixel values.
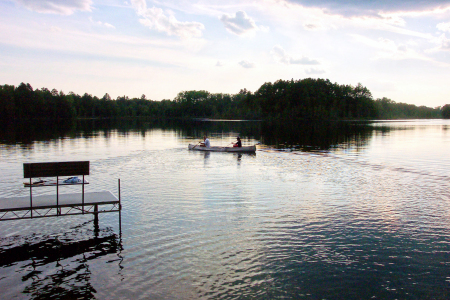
(55, 169)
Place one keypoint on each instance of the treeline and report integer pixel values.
(294, 100)
(321, 99)
(22, 102)
(313, 99)
(388, 109)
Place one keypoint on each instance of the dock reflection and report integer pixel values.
(59, 267)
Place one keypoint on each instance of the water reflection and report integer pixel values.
(237, 156)
(58, 266)
(207, 154)
(27, 133)
(299, 135)
(314, 136)
(304, 136)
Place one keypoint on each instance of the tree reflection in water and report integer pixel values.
(34, 257)
(301, 135)
(316, 135)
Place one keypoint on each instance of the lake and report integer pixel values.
(320, 211)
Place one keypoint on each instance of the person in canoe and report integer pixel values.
(205, 142)
(238, 143)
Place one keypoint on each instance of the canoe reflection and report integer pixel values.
(70, 279)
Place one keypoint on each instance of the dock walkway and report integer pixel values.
(69, 204)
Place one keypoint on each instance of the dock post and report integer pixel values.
(96, 214)
(57, 195)
(96, 227)
(82, 194)
(31, 199)
(120, 213)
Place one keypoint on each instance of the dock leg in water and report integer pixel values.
(95, 216)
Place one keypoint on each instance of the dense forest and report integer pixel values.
(320, 99)
(304, 99)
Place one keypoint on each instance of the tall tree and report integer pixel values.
(446, 111)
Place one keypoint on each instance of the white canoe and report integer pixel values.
(223, 149)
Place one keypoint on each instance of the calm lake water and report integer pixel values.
(321, 211)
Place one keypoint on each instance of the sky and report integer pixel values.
(397, 49)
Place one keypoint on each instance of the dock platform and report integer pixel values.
(15, 208)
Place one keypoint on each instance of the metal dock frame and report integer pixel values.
(17, 208)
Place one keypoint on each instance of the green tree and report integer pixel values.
(446, 111)
(7, 102)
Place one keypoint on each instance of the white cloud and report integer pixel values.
(66, 7)
(280, 55)
(139, 5)
(314, 71)
(393, 19)
(392, 50)
(389, 49)
(155, 18)
(219, 64)
(109, 25)
(264, 28)
(315, 18)
(443, 26)
(312, 26)
(246, 64)
(239, 24)
(103, 24)
(443, 44)
(352, 8)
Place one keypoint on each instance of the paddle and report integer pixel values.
(228, 145)
(196, 145)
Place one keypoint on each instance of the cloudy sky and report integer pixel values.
(397, 49)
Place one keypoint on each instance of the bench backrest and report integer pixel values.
(53, 169)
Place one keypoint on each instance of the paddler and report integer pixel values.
(238, 143)
(206, 142)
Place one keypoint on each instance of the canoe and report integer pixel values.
(223, 149)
